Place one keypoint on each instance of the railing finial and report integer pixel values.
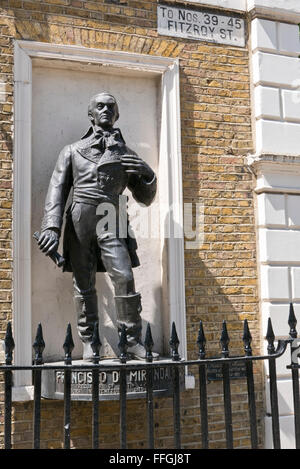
(123, 344)
(247, 339)
(39, 345)
(9, 344)
(68, 345)
(201, 341)
(292, 322)
(270, 336)
(174, 343)
(224, 340)
(148, 342)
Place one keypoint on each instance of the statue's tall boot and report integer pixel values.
(128, 310)
(87, 315)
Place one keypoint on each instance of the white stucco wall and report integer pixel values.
(279, 266)
(276, 116)
(276, 79)
(277, 9)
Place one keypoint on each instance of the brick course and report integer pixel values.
(221, 277)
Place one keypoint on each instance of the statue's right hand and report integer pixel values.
(48, 241)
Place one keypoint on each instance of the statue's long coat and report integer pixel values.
(79, 166)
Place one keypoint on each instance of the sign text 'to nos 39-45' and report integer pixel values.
(201, 25)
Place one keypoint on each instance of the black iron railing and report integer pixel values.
(225, 362)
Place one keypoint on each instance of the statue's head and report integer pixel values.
(103, 110)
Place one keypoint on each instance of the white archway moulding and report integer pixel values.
(170, 154)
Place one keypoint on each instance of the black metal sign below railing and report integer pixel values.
(214, 371)
(225, 367)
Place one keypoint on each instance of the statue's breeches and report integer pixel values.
(84, 247)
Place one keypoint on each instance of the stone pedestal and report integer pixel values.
(109, 381)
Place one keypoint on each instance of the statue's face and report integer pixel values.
(103, 111)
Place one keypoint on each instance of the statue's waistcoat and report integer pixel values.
(98, 175)
(92, 167)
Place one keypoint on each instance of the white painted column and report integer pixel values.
(276, 79)
(278, 229)
(276, 116)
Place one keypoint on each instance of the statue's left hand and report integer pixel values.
(48, 241)
(135, 165)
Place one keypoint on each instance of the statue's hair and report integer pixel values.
(104, 93)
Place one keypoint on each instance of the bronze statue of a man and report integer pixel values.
(98, 167)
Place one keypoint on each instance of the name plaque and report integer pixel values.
(109, 383)
(201, 25)
(237, 370)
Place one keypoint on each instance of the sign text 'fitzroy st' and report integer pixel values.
(201, 25)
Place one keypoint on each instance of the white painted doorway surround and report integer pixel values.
(166, 71)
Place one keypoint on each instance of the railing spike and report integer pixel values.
(174, 343)
(148, 342)
(9, 344)
(224, 340)
(201, 341)
(68, 345)
(96, 343)
(292, 322)
(247, 339)
(270, 336)
(123, 344)
(39, 345)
